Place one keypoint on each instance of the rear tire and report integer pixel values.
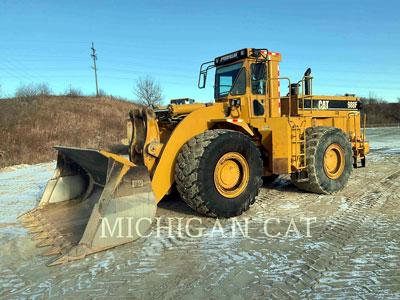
(218, 173)
(329, 160)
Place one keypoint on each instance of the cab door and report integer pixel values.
(258, 90)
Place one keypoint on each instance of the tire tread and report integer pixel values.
(187, 169)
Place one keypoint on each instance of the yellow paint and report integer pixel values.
(243, 125)
(152, 136)
(185, 108)
(195, 123)
(117, 158)
(231, 174)
(279, 132)
(334, 161)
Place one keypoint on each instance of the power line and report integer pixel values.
(94, 67)
(20, 73)
(48, 76)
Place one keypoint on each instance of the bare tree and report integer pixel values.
(102, 93)
(148, 92)
(72, 92)
(43, 89)
(26, 91)
(32, 90)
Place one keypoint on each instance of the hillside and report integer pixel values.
(381, 112)
(31, 126)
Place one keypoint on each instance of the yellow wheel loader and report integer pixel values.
(216, 154)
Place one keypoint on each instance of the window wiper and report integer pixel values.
(223, 93)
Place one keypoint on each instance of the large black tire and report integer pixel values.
(195, 172)
(318, 140)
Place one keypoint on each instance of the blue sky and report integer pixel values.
(351, 46)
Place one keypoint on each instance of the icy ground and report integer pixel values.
(353, 251)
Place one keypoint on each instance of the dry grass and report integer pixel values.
(30, 127)
(380, 112)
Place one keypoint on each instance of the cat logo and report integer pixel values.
(323, 104)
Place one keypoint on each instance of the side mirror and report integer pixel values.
(202, 80)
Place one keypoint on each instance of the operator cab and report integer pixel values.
(230, 76)
(247, 77)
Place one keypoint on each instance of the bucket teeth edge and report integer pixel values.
(40, 236)
(28, 219)
(52, 251)
(36, 229)
(32, 224)
(57, 248)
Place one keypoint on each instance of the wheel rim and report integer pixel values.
(334, 161)
(231, 174)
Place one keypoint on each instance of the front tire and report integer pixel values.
(218, 173)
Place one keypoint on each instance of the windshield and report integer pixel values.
(225, 77)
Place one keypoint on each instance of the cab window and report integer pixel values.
(225, 77)
(239, 88)
(258, 78)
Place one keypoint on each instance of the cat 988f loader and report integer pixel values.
(216, 154)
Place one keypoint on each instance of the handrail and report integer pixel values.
(290, 95)
(203, 71)
(302, 91)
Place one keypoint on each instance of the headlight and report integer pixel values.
(235, 102)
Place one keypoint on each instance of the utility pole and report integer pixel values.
(95, 68)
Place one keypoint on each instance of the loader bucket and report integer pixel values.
(94, 201)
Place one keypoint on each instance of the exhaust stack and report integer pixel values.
(307, 82)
